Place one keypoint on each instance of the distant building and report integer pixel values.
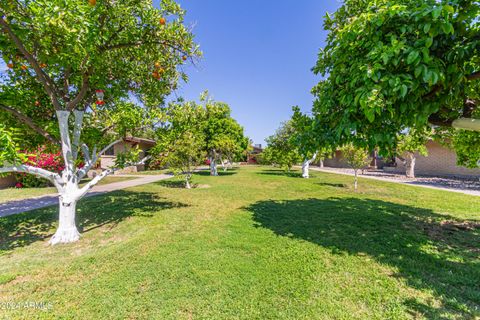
(107, 159)
(252, 154)
(440, 161)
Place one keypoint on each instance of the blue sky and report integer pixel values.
(258, 57)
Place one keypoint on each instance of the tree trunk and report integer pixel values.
(213, 167)
(321, 163)
(187, 183)
(67, 230)
(305, 169)
(355, 181)
(410, 165)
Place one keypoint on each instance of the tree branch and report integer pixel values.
(29, 122)
(44, 79)
(39, 172)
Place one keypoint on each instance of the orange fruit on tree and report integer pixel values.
(92, 2)
(157, 64)
(184, 58)
(37, 103)
(24, 67)
(155, 75)
(10, 65)
(163, 21)
(42, 65)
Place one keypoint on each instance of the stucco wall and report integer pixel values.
(440, 161)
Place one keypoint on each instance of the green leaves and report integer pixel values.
(389, 66)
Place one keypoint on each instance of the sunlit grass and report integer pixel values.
(252, 244)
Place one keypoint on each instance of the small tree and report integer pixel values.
(181, 141)
(411, 143)
(223, 135)
(186, 156)
(282, 149)
(356, 158)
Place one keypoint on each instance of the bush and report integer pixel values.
(40, 158)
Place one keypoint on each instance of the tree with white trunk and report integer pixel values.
(72, 65)
(411, 143)
(224, 136)
(357, 158)
(282, 148)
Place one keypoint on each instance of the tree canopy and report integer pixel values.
(397, 64)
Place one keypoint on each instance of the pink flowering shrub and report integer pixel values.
(40, 158)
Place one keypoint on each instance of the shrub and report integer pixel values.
(39, 158)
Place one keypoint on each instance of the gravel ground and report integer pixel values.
(455, 183)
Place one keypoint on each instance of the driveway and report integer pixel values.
(18, 206)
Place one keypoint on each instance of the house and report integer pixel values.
(440, 161)
(107, 159)
(252, 154)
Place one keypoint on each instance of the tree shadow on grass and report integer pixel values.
(220, 173)
(334, 185)
(22, 229)
(397, 235)
(280, 172)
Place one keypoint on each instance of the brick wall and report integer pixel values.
(440, 161)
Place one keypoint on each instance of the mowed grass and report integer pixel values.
(253, 243)
(11, 194)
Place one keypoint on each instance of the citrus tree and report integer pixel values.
(282, 149)
(72, 63)
(357, 158)
(180, 142)
(410, 144)
(224, 137)
(391, 65)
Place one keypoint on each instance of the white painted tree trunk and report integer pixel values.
(213, 167)
(410, 165)
(187, 183)
(305, 169)
(321, 163)
(306, 166)
(67, 183)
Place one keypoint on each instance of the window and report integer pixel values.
(110, 152)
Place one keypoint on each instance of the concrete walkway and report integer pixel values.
(410, 183)
(18, 206)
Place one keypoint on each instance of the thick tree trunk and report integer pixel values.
(410, 165)
(67, 230)
(321, 163)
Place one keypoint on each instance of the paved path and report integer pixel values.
(18, 206)
(410, 183)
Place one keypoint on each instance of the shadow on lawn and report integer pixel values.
(230, 172)
(279, 172)
(25, 228)
(395, 235)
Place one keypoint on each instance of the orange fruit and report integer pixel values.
(10, 65)
(24, 67)
(184, 58)
(92, 2)
(163, 21)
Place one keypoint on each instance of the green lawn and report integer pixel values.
(252, 244)
(10, 194)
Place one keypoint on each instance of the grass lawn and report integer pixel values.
(253, 243)
(10, 194)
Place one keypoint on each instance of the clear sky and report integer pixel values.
(258, 56)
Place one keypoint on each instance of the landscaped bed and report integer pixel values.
(257, 244)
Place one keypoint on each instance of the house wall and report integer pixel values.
(440, 161)
(109, 161)
(336, 162)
